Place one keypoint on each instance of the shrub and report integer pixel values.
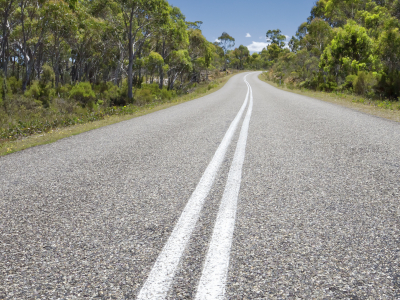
(41, 92)
(15, 84)
(212, 85)
(364, 83)
(48, 75)
(349, 81)
(143, 96)
(83, 93)
(34, 90)
(165, 94)
(63, 91)
(3, 90)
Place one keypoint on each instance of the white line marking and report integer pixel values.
(161, 276)
(215, 271)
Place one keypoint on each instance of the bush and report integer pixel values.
(143, 96)
(3, 90)
(165, 94)
(349, 81)
(212, 85)
(364, 83)
(41, 92)
(34, 90)
(83, 93)
(48, 75)
(15, 85)
(109, 94)
(63, 91)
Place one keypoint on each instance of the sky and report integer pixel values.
(246, 21)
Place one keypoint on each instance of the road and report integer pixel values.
(248, 193)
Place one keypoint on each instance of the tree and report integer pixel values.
(226, 42)
(141, 17)
(241, 54)
(61, 23)
(153, 62)
(319, 35)
(294, 44)
(30, 34)
(7, 8)
(276, 37)
(350, 51)
(171, 36)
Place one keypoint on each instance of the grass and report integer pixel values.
(384, 109)
(53, 135)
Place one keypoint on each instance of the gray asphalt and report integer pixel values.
(318, 214)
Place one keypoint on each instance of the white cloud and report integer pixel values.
(261, 37)
(248, 35)
(217, 40)
(257, 46)
(287, 37)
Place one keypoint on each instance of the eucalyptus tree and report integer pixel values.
(141, 17)
(180, 62)
(84, 43)
(7, 8)
(276, 37)
(153, 62)
(30, 33)
(242, 54)
(226, 42)
(61, 24)
(171, 36)
(199, 51)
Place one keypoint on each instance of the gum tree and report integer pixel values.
(141, 17)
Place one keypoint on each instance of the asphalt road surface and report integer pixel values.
(248, 193)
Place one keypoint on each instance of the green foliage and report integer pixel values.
(364, 83)
(41, 92)
(350, 51)
(48, 75)
(276, 37)
(15, 85)
(143, 96)
(83, 93)
(344, 45)
(88, 63)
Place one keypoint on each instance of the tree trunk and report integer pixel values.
(130, 66)
(28, 73)
(5, 38)
(161, 70)
(3, 49)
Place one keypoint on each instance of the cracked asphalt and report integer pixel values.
(318, 214)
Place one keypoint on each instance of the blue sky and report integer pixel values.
(239, 18)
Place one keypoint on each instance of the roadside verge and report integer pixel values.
(9, 147)
(350, 101)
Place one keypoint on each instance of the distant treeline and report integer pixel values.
(351, 45)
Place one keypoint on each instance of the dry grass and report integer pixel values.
(57, 134)
(351, 101)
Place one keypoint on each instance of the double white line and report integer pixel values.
(213, 279)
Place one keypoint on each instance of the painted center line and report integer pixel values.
(161, 276)
(215, 271)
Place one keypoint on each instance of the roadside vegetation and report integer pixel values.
(100, 118)
(384, 109)
(348, 48)
(67, 62)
